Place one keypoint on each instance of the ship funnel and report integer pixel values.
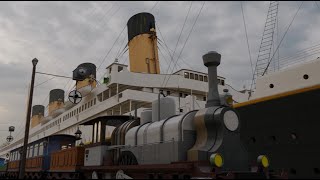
(85, 76)
(143, 49)
(36, 115)
(212, 60)
(56, 100)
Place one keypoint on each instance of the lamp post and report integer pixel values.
(78, 134)
(26, 134)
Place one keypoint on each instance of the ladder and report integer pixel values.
(266, 44)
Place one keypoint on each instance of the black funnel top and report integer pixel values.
(83, 71)
(140, 24)
(37, 109)
(55, 95)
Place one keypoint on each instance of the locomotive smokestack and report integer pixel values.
(212, 60)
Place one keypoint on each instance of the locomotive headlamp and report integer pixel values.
(216, 160)
(263, 161)
(229, 100)
(231, 120)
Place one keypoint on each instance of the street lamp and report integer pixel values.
(78, 134)
(26, 134)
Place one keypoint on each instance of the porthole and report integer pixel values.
(294, 136)
(306, 76)
(271, 85)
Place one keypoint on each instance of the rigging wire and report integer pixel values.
(121, 44)
(187, 39)
(154, 6)
(117, 10)
(54, 75)
(282, 39)
(245, 29)
(300, 53)
(107, 12)
(163, 54)
(111, 48)
(184, 23)
(316, 4)
(183, 60)
(44, 82)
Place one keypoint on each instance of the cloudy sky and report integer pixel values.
(64, 34)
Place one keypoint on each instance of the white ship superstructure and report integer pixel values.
(125, 91)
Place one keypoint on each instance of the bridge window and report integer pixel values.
(186, 75)
(120, 68)
(191, 76)
(205, 78)
(196, 77)
(200, 77)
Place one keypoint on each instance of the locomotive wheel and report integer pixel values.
(127, 158)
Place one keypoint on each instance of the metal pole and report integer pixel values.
(26, 134)
(159, 105)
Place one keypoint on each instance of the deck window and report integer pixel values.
(205, 78)
(120, 68)
(200, 77)
(186, 75)
(196, 77)
(36, 150)
(191, 76)
(40, 149)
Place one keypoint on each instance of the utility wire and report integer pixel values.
(187, 39)
(245, 29)
(282, 38)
